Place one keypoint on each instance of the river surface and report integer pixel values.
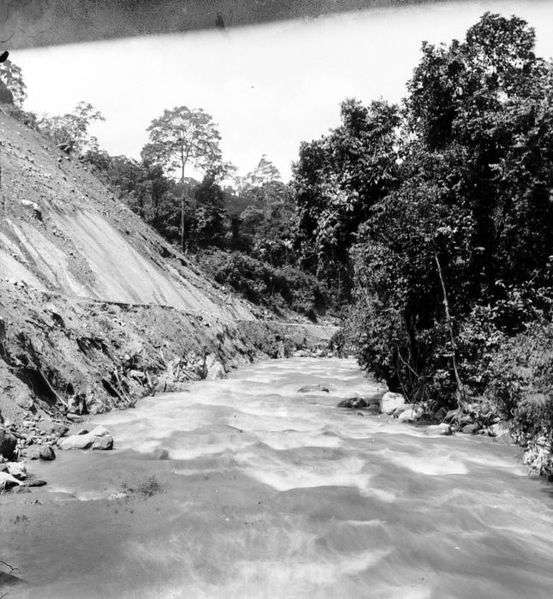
(265, 492)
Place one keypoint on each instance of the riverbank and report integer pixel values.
(64, 359)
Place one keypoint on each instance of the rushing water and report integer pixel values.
(271, 493)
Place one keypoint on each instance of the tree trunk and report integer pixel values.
(182, 202)
(460, 394)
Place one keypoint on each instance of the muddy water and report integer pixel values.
(267, 492)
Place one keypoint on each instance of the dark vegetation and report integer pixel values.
(435, 220)
(428, 224)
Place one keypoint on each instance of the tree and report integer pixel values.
(12, 77)
(210, 213)
(143, 187)
(459, 252)
(181, 137)
(70, 132)
(337, 179)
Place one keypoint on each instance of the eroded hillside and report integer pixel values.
(95, 308)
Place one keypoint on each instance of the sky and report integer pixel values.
(268, 87)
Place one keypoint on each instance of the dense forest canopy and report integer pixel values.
(428, 226)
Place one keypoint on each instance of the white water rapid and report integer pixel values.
(264, 492)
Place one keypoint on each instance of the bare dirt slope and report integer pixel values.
(95, 308)
(61, 230)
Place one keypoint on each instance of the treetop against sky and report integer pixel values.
(267, 87)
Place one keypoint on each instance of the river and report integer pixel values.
(263, 492)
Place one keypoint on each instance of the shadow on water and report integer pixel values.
(246, 488)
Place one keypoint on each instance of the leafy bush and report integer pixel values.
(521, 385)
(265, 285)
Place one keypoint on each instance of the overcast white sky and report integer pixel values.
(269, 87)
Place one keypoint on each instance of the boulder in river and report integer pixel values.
(439, 429)
(411, 414)
(98, 438)
(391, 402)
(353, 403)
(104, 442)
(41, 453)
(314, 389)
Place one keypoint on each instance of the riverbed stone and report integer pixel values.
(410, 415)
(439, 429)
(391, 402)
(314, 389)
(44, 452)
(353, 403)
(97, 438)
(470, 429)
(104, 443)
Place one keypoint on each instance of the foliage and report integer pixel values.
(70, 132)
(336, 181)
(12, 76)
(143, 187)
(444, 211)
(521, 378)
(279, 289)
(182, 137)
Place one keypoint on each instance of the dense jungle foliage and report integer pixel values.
(438, 217)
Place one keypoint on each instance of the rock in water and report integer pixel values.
(47, 453)
(98, 438)
(409, 415)
(105, 442)
(391, 402)
(7, 445)
(439, 429)
(354, 403)
(41, 453)
(99, 431)
(314, 389)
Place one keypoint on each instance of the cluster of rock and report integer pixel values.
(97, 438)
(12, 472)
(315, 352)
(473, 420)
(35, 439)
(34, 436)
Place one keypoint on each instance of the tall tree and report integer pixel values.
(183, 137)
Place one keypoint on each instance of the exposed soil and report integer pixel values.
(96, 310)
